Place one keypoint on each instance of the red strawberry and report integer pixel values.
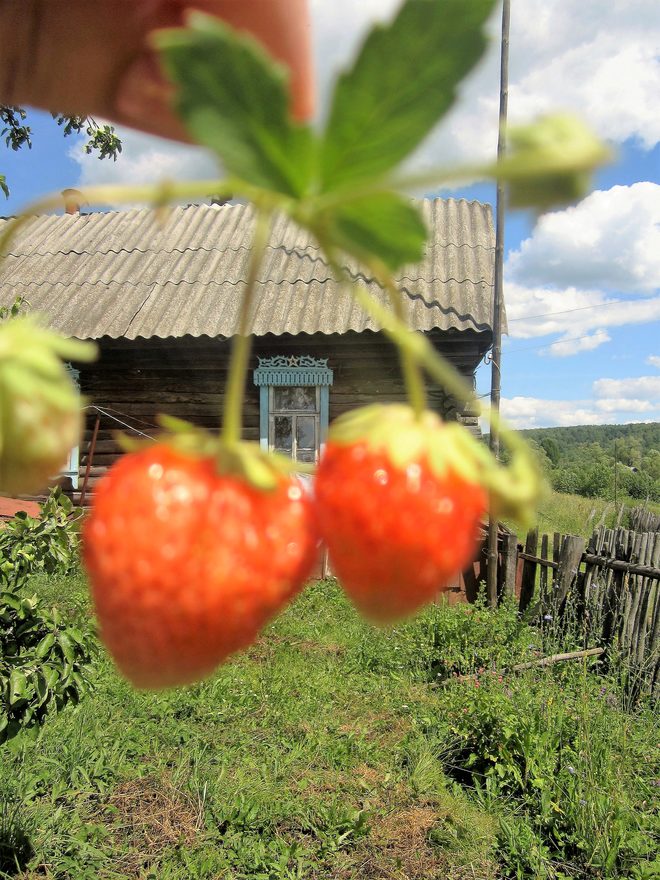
(188, 563)
(399, 504)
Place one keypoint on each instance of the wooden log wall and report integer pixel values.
(135, 380)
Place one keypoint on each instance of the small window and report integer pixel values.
(295, 422)
(294, 406)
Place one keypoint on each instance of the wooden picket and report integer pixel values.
(607, 588)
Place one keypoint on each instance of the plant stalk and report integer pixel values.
(232, 422)
(412, 375)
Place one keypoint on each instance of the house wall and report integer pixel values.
(133, 381)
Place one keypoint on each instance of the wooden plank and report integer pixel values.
(556, 547)
(510, 562)
(528, 584)
(543, 576)
(648, 588)
(569, 564)
(540, 560)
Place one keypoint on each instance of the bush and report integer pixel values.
(42, 661)
(565, 769)
(49, 544)
(42, 665)
(446, 640)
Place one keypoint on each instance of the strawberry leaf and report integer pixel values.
(234, 98)
(402, 83)
(384, 225)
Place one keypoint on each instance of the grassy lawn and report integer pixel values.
(331, 750)
(576, 515)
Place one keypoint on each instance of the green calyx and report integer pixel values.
(40, 407)
(446, 447)
(550, 162)
(247, 461)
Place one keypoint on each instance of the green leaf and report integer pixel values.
(402, 83)
(3, 185)
(385, 225)
(44, 646)
(17, 686)
(234, 99)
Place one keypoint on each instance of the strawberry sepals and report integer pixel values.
(396, 430)
(244, 460)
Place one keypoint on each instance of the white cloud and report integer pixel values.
(612, 401)
(146, 159)
(536, 412)
(576, 344)
(534, 312)
(642, 387)
(610, 241)
(653, 360)
(622, 404)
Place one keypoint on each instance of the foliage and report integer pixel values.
(445, 641)
(42, 660)
(17, 134)
(560, 763)
(292, 762)
(583, 459)
(48, 543)
(42, 664)
(303, 758)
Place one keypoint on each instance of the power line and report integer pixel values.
(610, 302)
(550, 344)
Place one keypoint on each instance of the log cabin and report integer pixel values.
(162, 300)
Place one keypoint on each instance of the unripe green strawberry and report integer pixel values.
(40, 415)
(188, 563)
(399, 503)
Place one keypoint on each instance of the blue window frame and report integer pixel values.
(294, 405)
(71, 468)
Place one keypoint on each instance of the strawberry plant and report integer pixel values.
(344, 186)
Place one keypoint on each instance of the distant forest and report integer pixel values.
(582, 459)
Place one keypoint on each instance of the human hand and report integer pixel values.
(94, 58)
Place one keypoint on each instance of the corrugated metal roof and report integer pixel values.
(120, 274)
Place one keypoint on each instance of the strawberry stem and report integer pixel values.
(412, 375)
(232, 423)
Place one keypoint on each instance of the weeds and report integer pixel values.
(326, 751)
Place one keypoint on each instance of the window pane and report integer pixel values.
(295, 398)
(307, 455)
(306, 432)
(283, 434)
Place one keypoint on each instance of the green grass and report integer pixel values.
(325, 751)
(576, 515)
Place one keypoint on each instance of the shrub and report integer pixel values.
(42, 661)
(564, 768)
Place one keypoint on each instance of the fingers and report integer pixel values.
(283, 27)
(93, 58)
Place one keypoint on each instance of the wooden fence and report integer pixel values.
(605, 591)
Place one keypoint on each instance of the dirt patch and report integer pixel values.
(400, 847)
(145, 817)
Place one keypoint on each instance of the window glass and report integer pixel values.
(294, 398)
(306, 433)
(283, 434)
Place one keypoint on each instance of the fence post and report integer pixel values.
(569, 563)
(529, 571)
(510, 564)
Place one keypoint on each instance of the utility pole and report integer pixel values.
(496, 360)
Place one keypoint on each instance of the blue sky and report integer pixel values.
(592, 270)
